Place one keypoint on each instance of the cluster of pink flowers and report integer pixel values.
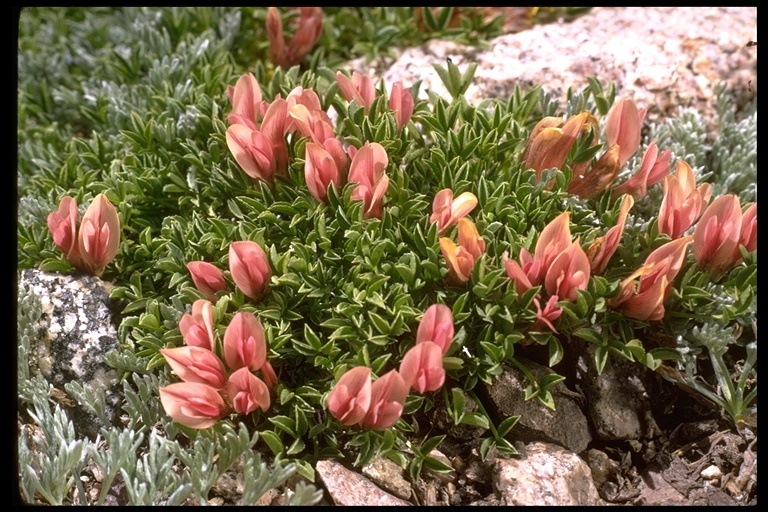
(558, 263)
(721, 230)
(92, 244)
(210, 390)
(257, 134)
(357, 400)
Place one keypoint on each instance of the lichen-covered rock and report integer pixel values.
(349, 488)
(74, 332)
(664, 58)
(548, 475)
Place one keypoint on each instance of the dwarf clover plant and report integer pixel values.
(134, 103)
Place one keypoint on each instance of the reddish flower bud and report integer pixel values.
(422, 367)
(195, 364)
(249, 266)
(388, 394)
(247, 392)
(197, 328)
(207, 278)
(63, 227)
(350, 398)
(192, 404)
(244, 342)
(436, 326)
(99, 235)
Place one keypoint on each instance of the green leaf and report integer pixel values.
(273, 441)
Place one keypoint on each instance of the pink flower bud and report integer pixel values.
(99, 235)
(244, 342)
(601, 250)
(207, 278)
(422, 367)
(197, 328)
(388, 394)
(252, 151)
(717, 234)
(368, 170)
(653, 169)
(63, 227)
(401, 102)
(192, 404)
(682, 203)
(623, 125)
(247, 392)
(195, 364)
(350, 398)
(547, 315)
(568, 273)
(247, 106)
(359, 88)
(249, 266)
(437, 326)
(320, 170)
(447, 211)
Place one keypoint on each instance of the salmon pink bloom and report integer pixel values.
(368, 170)
(274, 126)
(717, 234)
(568, 273)
(748, 233)
(653, 169)
(252, 151)
(470, 239)
(644, 298)
(244, 342)
(320, 170)
(192, 404)
(247, 106)
(547, 315)
(436, 326)
(422, 367)
(359, 88)
(350, 398)
(549, 144)
(99, 235)
(195, 364)
(682, 203)
(401, 102)
(602, 249)
(622, 126)
(523, 274)
(388, 394)
(197, 328)
(308, 28)
(247, 392)
(312, 123)
(63, 227)
(447, 211)
(458, 260)
(207, 278)
(249, 266)
(599, 177)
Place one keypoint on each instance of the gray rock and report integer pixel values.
(617, 402)
(566, 425)
(662, 57)
(549, 475)
(389, 476)
(349, 488)
(74, 332)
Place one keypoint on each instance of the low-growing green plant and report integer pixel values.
(310, 259)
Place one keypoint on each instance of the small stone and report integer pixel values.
(388, 475)
(349, 488)
(711, 472)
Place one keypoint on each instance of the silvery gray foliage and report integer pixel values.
(51, 458)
